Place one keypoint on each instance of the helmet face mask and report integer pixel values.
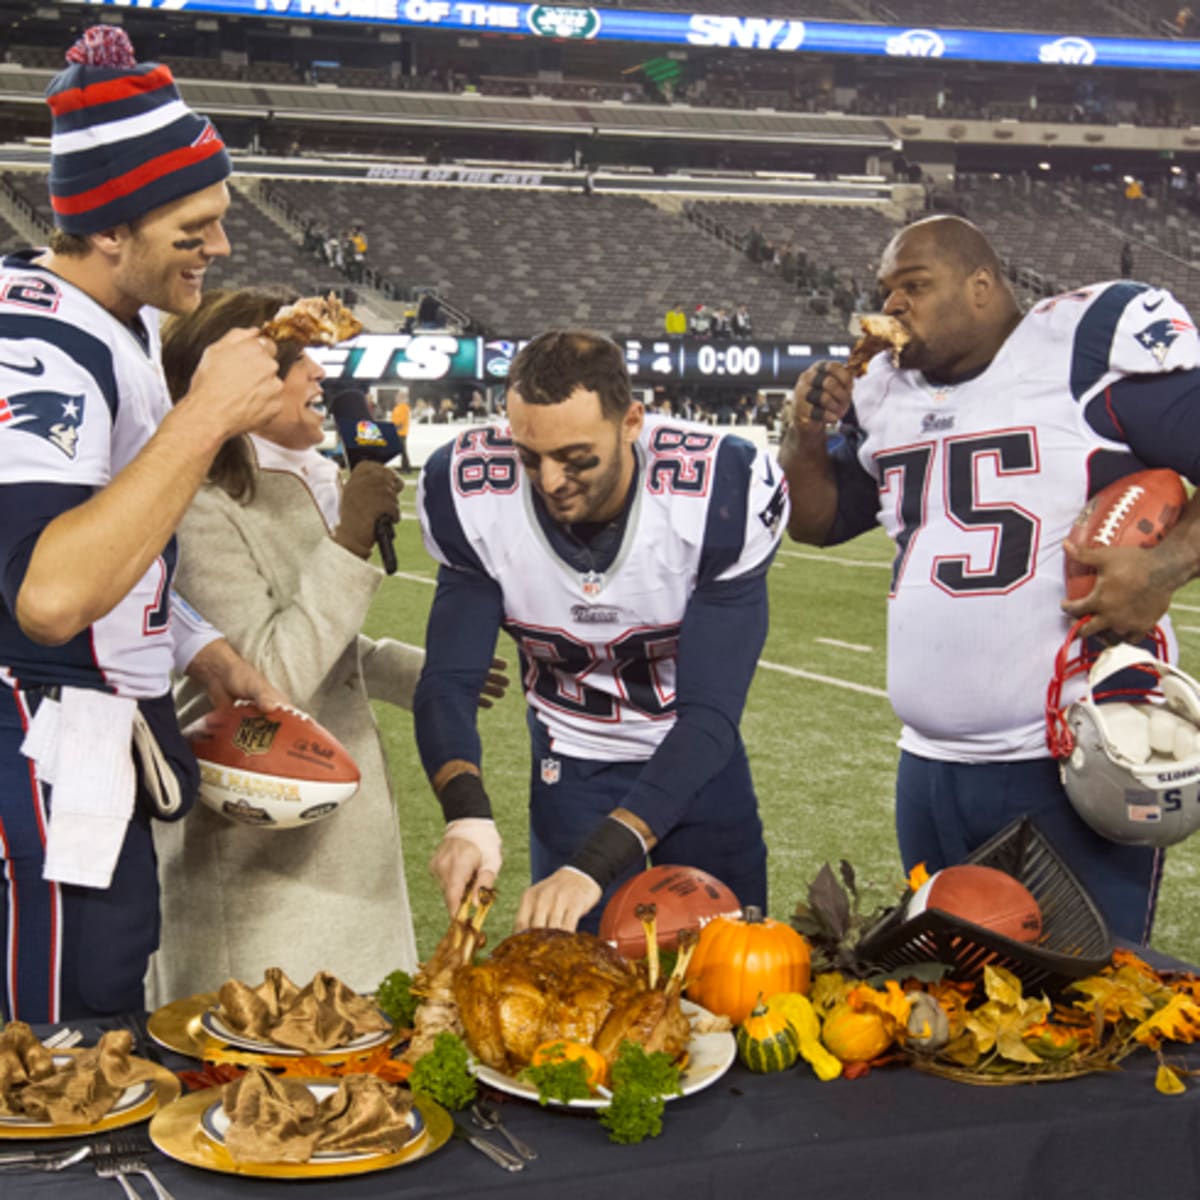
(1129, 748)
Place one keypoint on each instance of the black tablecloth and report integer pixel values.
(896, 1134)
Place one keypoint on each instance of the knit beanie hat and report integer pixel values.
(122, 141)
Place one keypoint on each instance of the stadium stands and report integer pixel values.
(519, 261)
(9, 239)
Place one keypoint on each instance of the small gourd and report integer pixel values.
(854, 1035)
(800, 1011)
(767, 1040)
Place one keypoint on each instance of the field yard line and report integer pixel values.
(842, 683)
(1185, 607)
(845, 645)
(1188, 628)
(840, 562)
(415, 578)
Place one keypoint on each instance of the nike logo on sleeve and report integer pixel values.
(35, 368)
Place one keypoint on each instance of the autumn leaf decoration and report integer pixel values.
(833, 921)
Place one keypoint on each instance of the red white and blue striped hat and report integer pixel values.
(122, 141)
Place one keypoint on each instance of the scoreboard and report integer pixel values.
(408, 358)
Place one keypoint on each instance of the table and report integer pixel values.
(896, 1134)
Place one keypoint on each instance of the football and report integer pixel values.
(984, 896)
(1138, 510)
(684, 897)
(276, 770)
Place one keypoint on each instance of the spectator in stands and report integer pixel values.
(756, 245)
(1126, 261)
(1185, 21)
(357, 243)
(721, 326)
(741, 322)
(701, 322)
(675, 323)
(1133, 190)
(334, 255)
(429, 312)
(401, 416)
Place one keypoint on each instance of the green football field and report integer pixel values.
(819, 730)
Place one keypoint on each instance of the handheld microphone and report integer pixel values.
(385, 540)
(365, 439)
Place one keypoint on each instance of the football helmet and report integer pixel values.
(1129, 747)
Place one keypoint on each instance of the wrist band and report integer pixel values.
(612, 848)
(464, 796)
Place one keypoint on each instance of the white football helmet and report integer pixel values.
(1129, 748)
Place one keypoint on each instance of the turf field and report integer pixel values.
(819, 730)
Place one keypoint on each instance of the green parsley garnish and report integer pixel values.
(563, 1080)
(640, 1083)
(395, 998)
(442, 1074)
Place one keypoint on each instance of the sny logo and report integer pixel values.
(48, 415)
(916, 43)
(1158, 336)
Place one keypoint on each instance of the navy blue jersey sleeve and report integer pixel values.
(722, 635)
(745, 513)
(444, 536)
(1156, 416)
(857, 491)
(25, 510)
(460, 641)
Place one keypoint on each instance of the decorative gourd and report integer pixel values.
(799, 1010)
(928, 1024)
(855, 1036)
(767, 1041)
(739, 958)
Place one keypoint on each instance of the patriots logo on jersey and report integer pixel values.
(1158, 336)
(49, 415)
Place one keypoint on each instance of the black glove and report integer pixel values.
(370, 493)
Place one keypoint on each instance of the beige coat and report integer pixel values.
(331, 896)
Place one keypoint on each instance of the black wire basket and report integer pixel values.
(1074, 943)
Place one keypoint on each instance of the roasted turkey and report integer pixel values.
(546, 985)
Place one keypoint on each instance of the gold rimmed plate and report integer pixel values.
(138, 1102)
(191, 1131)
(192, 1026)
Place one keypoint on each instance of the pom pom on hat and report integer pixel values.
(103, 46)
(123, 142)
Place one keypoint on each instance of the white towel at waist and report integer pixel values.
(81, 746)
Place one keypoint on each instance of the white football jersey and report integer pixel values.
(979, 484)
(81, 395)
(600, 647)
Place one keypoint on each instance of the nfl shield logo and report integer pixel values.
(551, 770)
(255, 735)
(592, 582)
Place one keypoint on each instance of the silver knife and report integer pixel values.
(498, 1155)
(46, 1160)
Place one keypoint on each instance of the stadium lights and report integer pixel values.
(1043, 166)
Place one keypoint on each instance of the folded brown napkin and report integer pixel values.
(277, 1119)
(77, 1092)
(322, 1016)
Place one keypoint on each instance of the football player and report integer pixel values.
(975, 449)
(627, 557)
(96, 469)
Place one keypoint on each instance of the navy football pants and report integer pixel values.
(721, 832)
(944, 811)
(70, 952)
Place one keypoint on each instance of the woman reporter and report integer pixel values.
(275, 551)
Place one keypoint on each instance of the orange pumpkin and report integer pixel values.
(564, 1051)
(739, 957)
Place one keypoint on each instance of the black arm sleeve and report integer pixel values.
(1156, 416)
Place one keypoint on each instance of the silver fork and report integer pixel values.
(487, 1116)
(129, 1158)
(120, 1165)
